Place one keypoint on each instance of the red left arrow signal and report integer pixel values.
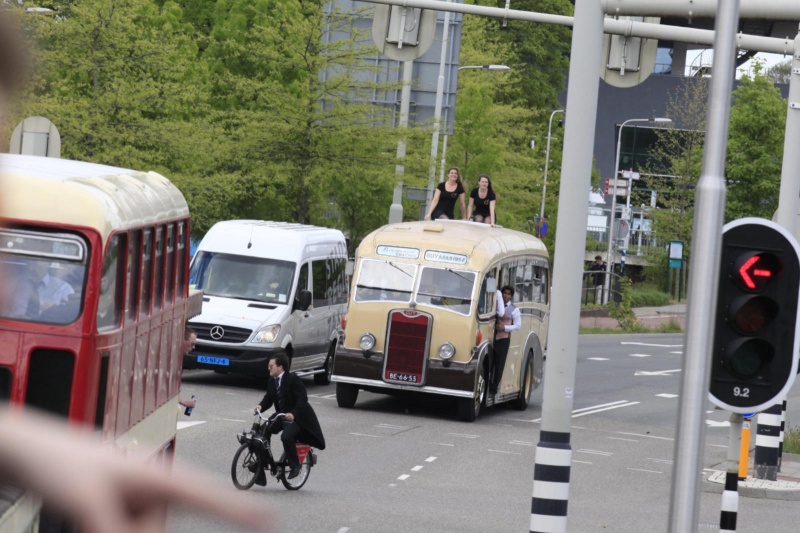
(754, 277)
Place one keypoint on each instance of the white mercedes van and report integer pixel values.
(269, 288)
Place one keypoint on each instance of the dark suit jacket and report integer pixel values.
(293, 399)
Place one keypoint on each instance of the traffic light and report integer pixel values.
(756, 330)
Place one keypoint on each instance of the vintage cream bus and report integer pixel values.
(422, 314)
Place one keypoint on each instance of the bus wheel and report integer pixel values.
(470, 408)
(521, 403)
(323, 378)
(346, 395)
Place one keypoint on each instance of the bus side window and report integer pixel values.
(147, 273)
(158, 272)
(486, 304)
(545, 297)
(109, 307)
(169, 277)
(134, 270)
(519, 283)
(180, 260)
(528, 291)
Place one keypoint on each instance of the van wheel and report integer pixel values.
(323, 378)
(346, 395)
(470, 408)
(521, 403)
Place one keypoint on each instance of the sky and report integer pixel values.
(707, 57)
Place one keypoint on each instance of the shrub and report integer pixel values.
(649, 297)
(622, 311)
(791, 440)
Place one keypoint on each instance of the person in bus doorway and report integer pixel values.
(482, 199)
(508, 320)
(288, 394)
(444, 198)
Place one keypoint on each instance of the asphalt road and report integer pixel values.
(395, 464)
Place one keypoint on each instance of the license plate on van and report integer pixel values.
(207, 359)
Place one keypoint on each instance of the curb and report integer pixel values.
(755, 488)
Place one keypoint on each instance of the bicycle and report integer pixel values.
(255, 455)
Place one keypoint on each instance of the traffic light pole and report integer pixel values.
(704, 268)
(553, 452)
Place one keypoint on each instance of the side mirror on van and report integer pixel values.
(349, 267)
(491, 285)
(304, 300)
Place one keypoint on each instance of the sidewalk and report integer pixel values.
(651, 317)
(787, 486)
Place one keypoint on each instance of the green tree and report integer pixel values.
(755, 147)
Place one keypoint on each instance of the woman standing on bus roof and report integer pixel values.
(483, 199)
(444, 198)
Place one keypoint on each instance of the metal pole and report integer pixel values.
(437, 112)
(641, 230)
(444, 159)
(396, 209)
(547, 160)
(704, 280)
(553, 452)
(730, 496)
(790, 175)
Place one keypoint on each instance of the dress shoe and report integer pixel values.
(293, 472)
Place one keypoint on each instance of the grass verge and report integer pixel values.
(666, 327)
(791, 440)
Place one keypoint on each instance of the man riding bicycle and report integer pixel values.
(288, 394)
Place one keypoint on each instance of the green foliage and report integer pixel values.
(791, 440)
(649, 297)
(622, 311)
(755, 148)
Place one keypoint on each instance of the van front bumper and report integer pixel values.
(250, 361)
(365, 369)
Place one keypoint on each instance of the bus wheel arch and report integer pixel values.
(526, 387)
(470, 408)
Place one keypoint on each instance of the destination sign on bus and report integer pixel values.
(445, 257)
(398, 251)
(27, 243)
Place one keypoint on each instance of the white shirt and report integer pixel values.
(516, 317)
(53, 291)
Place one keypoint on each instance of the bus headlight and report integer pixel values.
(267, 334)
(447, 351)
(367, 341)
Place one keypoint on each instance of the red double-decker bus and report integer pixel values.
(94, 267)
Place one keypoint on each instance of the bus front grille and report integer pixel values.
(407, 347)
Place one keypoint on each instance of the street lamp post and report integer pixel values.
(547, 160)
(609, 262)
(486, 67)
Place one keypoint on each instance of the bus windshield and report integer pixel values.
(242, 277)
(43, 276)
(446, 288)
(385, 281)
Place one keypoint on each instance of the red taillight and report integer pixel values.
(478, 338)
(344, 321)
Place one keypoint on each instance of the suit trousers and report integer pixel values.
(500, 350)
(291, 429)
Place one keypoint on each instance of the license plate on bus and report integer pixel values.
(408, 378)
(207, 359)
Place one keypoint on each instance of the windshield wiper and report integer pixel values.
(400, 269)
(462, 276)
(380, 288)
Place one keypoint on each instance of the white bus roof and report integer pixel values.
(268, 239)
(75, 193)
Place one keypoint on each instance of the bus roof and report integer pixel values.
(75, 193)
(481, 243)
(259, 238)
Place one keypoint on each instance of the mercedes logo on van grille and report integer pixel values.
(217, 333)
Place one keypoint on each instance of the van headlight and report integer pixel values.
(367, 341)
(267, 334)
(447, 350)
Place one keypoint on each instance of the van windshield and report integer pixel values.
(446, 288)
(246, 278)
(385, 281)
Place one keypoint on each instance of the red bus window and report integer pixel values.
(134, 272)
(5, 383)
(146, 292)
(169, 276)
(109, 306)
(158, 272)
(180, 259)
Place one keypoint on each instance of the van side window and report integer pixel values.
(302, 279)
(319, 273)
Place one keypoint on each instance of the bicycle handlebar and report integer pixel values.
(262, 417)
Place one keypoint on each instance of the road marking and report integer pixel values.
(678, 352)
(648, 471)
(595, 452)
(665, 395)
(389, 426)
(663, 461)
(605, 409)
(231, 394)
(584, 409)
(446, 444)
(431, 459)
(343, 530)
(656, 372)
(597, 358)
(463, 435)
(582, 462)
(366, 435)
(522, 443)
(639, 355)
(713, 424)
(232, 420)
(620, 438)
(184, 425)
(404, 477)
(719, 445)
(645, 436)
(656, 345)
(505, 452)
(417, 468)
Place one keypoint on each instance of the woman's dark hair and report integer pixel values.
(282, 362)
(491, 191)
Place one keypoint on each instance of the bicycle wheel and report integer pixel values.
(247, 463)
(299, 481)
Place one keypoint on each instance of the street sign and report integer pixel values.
(631, 175)
(754, 357)
(401, 33)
